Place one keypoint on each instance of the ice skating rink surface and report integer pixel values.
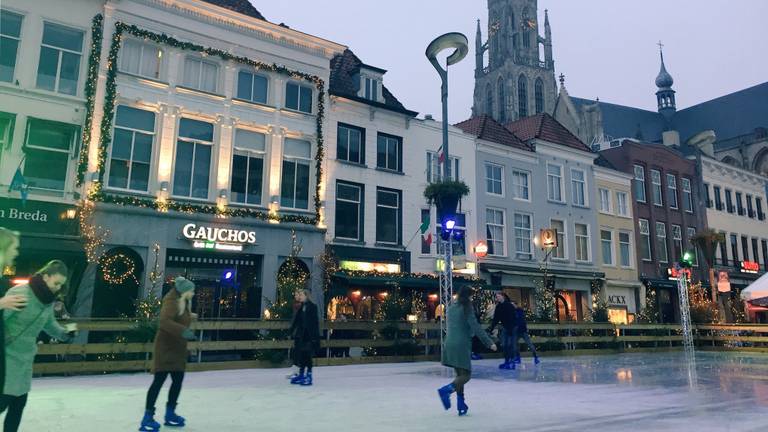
(629, 392)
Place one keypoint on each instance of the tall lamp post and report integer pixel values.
(547, 241)
(460, 45)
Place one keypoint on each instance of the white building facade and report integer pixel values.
(205, 152)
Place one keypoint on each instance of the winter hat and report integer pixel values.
(183, 285)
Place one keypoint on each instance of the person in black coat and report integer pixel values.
(305, 330)
(505, 314)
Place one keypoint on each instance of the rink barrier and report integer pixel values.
(236, 344)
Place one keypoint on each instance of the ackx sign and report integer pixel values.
(617, 300)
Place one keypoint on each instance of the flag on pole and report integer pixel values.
(424, 223)
(441, 155)
(19, 183)
(428, 240)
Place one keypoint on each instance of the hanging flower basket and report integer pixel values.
(445, 195)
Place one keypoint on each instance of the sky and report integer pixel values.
(605, 48)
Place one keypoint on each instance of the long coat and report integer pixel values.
(305, 328)
(462, 325)
(171, 352)
(21, 330)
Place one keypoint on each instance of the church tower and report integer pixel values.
(517, 77)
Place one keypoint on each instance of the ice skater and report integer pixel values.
(521, 331)
(9, 250)
(170, 353)
(305, 330)
(505, 313)
(21, 329)
(462, 325)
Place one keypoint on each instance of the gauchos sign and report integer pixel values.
(214, 236)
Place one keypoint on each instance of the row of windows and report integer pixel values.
(758, 246)
(750, 211)
(609, 239)
(146, 60)
(607, 204)
(350, 147)
(61, 51)
(679, 246)
(495, 228)
(521, 184)
(657, 189)
(350, 209)
(504, 104)
(131, 158)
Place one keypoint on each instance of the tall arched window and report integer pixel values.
(539, 95)
(526, 39)
(522, 96)
(502, 102)
(489, 100)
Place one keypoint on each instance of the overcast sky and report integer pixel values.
(605, 48)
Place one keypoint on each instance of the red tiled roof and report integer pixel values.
(543, 126)
(241, 6)
(342, 83)
(485, 127)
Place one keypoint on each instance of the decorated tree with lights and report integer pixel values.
(649, 314)
(545, 302)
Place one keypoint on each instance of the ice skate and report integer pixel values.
(445, 395)
(148, 423)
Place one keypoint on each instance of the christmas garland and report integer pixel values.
(98, 194)
(404, 275)
(97, 30)
(110, 273)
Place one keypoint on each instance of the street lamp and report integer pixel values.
(460, 46)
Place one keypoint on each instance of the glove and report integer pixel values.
(188, 335)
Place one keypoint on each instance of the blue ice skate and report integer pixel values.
(461, 405)
(297, 378)
(307, 381)
(148, 423)
(173, 419)
(445, 395)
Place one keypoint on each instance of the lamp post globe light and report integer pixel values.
(460, 46)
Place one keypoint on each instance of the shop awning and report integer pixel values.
(383, 281)
(535, 272)
(756, 290)
(660, 283)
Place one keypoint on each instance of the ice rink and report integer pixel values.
(628, 392)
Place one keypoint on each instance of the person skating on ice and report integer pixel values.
(521, 331)
(170, 353)
(22, 327)
(305, 330)
(462, 325)
(505, 314)
(9, 250)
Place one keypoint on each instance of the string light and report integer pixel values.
(118, 268)
(93, 235)
(96, 193)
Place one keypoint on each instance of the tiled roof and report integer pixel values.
(735, 114)
(344, 67)
(485, 127)
(543, 126)
(620, 121)
(241, 6)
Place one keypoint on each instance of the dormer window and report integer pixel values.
(371, 89)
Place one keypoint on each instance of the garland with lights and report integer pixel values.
(96, 192)
(118, 268)
(97, 31)
(406, 275)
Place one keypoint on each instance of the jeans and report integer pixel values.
(15, 406)
(516, 335)
(157, 383)
(508, 344)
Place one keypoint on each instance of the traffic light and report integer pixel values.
(686, 261)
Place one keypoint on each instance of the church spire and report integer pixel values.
(665, 96)
(478, 51)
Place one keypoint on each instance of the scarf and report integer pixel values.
(41, 290)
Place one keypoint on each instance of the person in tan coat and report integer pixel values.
(170, 353)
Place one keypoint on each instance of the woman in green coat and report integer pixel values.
(9, 250)
(457, 352)
(21, 330)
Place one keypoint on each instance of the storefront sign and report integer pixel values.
(205, 237)
(617, 300)
(674, 273)
(723, 282)
(548, 238)
(750, 267)
(369, 266)
(38, 217)
(460, 266)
